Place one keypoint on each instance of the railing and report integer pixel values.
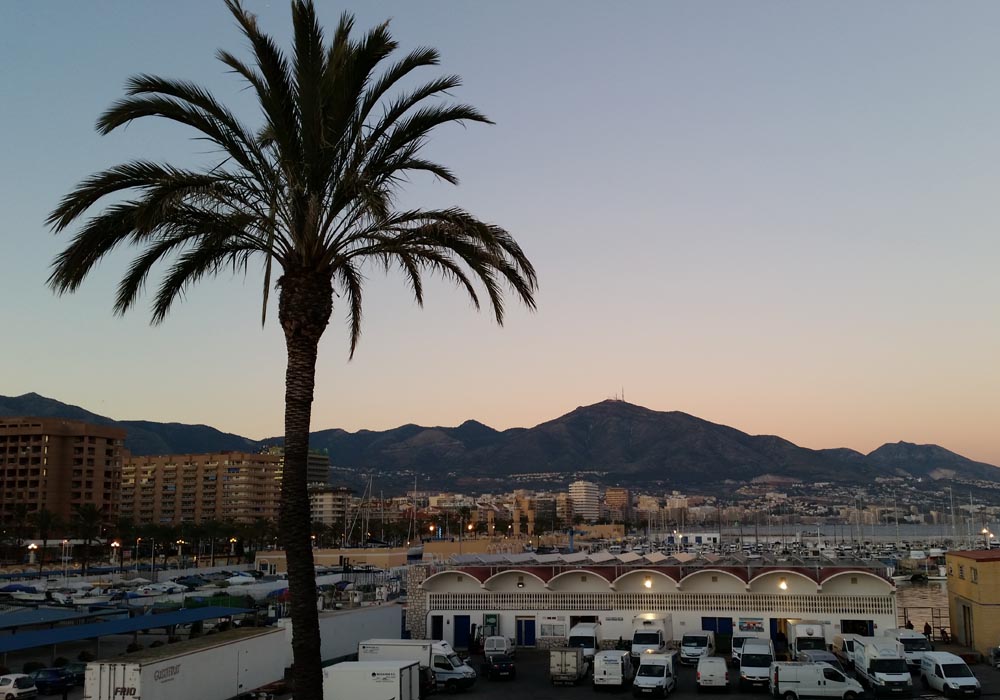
(735, 602)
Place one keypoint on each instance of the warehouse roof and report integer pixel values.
(73, 633)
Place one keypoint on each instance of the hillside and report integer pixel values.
(627, 442)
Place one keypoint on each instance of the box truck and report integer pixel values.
(880, 666)
(567, 665)
(914, 645)
(450, 672)
(215, 667)
(372, 680)
(650, 634)
(587, 636)
(806, 634)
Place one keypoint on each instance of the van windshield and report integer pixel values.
(756, 660)
(646, 638)
(817, 643)
(647, 671)
(889, 666)
(956, 671)
(583, 642)
(455, 661)
(694, 640)
(914, 644)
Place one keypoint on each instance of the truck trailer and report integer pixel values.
(215, 667)
(372, 680)
(650, 634)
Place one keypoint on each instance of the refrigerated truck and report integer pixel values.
(215, 667)
(450, 672)
(372, 680)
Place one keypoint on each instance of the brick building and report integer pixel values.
(59, 465)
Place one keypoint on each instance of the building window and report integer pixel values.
(975, 574)
(553, 629)
(961, 571)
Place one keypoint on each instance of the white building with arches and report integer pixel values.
(537, 598)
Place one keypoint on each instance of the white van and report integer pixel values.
(843, 648)
(612, 669)
(695, 645)
(755, 664)
(656, 675)
(821, 657)
(799, 679)
(948, 674)
(712, 673)
(498, 645)
(739, 639)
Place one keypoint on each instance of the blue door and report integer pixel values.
(525, 632)
(462, 631)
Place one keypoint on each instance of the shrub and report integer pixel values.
(195, 633)
(134, 646)
(172, 639)
(157, 643)
(85, 656)
(30, 666)
(60, 662)
(224, 626)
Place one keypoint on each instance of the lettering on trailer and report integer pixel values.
(615, 619)
(383, 676)
(166, 674)
(125, 692)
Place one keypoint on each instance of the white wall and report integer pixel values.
(342, 630)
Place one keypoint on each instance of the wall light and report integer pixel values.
(648, 582)
(520, 584)
(783, 584)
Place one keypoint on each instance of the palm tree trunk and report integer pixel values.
(304, 310)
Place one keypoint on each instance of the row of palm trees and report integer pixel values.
(91, 525)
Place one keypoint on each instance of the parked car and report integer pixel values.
(76, 669)
(51, 681)
(17, 685)
(498, 666)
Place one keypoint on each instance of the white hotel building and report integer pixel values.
(537, 598)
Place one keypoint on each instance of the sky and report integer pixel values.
(776, 216)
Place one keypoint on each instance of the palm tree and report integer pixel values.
(87, 522)
(312, 190)
(45, 522)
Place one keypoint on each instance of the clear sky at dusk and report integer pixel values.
(778, 216)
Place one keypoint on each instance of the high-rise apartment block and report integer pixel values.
(331, 505)
(586, 500)
(237, 486)
(59, 465)
(618, 502)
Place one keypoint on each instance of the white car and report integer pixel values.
(712, 673)
(17, 685)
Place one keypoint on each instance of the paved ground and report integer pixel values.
(532, 683)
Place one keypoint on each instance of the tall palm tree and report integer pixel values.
(87, 522)
(312, 191)
(46, 522)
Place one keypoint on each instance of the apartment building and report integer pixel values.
(237, 486)
(618, 502)
(59, 465)
(330, 505)
(317, 464)
(586, 500)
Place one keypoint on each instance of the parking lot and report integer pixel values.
(532, 683)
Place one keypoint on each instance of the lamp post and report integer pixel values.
(180, 553)
(431, 528)
(33, 557)
(115, 551)
(232, 546)
(987, 536)
(136, 554)
(65, 558)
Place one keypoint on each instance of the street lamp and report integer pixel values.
(180, 553)
(137, 541)
(232, 546)
(65, 558)
(32, 549)
(987, 536)
(114, 553)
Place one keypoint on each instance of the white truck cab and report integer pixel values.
(587, 636)
(650, 633)
(739, 639)
(948, 674)
(656, 675)
(880, 666)
(914, 645)
(695, 645)
(755, 664)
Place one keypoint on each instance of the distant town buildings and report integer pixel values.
(59, 465)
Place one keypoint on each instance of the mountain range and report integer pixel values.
(619, 441)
